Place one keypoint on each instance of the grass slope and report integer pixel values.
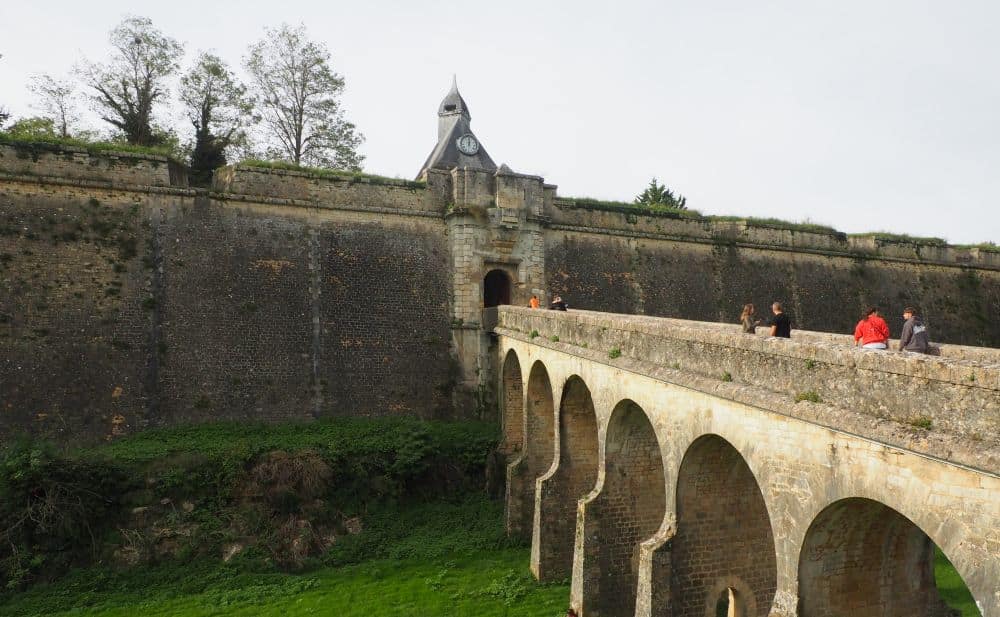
(427, 560)
(951, 586)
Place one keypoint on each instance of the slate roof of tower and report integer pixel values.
(454, 101)
(453, 123)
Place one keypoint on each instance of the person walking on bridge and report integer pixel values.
(871, 332)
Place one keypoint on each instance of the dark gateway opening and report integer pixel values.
(496, 288)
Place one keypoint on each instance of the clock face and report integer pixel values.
(468, 145)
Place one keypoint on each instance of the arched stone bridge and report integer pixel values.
(663, 464)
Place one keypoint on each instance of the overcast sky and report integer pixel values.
(867, 116)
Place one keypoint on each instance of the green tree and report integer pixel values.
(217, 105)
(658, 195)
(55, 99)
(130, 86)
(298, 96)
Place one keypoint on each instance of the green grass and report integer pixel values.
(446, 587)
(441, 559)
(55, 144)
(951, 586)
(629, 207)
(336, 174)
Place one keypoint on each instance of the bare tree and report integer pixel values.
(217, 105)
(55, 99)
(298, 96)
(129, 86)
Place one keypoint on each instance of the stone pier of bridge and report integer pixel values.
(666, 466)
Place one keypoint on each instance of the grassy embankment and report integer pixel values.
(347, 517)
(430, 543)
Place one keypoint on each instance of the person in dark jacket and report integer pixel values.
(914, 336)
(558, 304)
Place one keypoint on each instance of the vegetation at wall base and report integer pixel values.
(409, 528)
(287, 491)
(442, 559)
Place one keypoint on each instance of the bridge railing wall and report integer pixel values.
(957, 392)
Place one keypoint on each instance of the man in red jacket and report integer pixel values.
(872, 332)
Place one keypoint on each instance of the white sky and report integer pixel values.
(862, 115)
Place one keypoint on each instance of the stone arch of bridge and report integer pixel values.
(537, 454)
(723, 532)
(626, 508)
(512, 404)
(863, 558)
(572, 478)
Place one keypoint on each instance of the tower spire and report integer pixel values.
(457, 146)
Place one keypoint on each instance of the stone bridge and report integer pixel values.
(664, 464)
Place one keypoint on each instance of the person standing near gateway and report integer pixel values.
(781, 326)
(914, 336)
(872, 332)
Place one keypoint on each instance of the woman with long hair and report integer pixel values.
(747, 319)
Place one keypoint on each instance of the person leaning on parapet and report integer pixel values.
(558, 304)
(914, 336)
(871, 332)
(747, 319)
(533, 302)
(780, 324)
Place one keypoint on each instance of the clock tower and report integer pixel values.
(495, 220)
(457, 146)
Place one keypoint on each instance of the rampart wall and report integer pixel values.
(126, 302)
(128, 299)
(618, 261)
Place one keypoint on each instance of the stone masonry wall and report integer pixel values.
(696, 270)
(69, 162)
(126, 306)
(724, 537)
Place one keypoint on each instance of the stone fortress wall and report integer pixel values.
(129, 300)
(617, 261)
(128, 303)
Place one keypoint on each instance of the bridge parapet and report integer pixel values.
(946, 406)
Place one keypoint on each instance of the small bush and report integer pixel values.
(810, 364)
(923, 422)
(727, 377)
(534, 334)
(554, 338)
(615, 352)
(809, 395)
